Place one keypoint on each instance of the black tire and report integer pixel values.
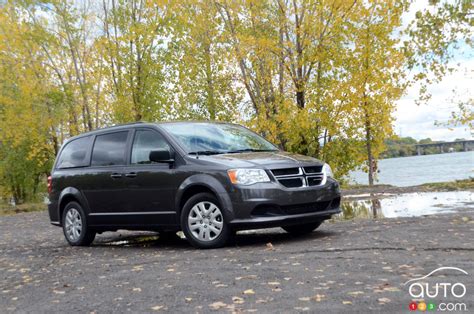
(225, 233)
(86, 235)
(302, 229)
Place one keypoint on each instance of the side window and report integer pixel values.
(109, 149)
(74, 154)
(144, 142)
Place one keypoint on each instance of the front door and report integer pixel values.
(150, 186)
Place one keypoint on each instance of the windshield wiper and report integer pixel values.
(206, 152)
(249, 150)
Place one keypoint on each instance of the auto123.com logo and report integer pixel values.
(435, 292)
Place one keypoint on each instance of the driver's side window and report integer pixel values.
(143, 143)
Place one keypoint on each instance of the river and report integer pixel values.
(415, 170)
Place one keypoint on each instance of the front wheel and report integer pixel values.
(203, 222)
(302, 229)
(75, 226)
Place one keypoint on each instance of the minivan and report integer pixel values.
(206, 179)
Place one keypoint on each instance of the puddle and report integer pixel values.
(409, 205)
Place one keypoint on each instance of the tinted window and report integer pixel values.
(74, 154)
(109, 149)
(145, 141)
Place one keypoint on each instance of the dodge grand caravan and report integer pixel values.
(207, 179)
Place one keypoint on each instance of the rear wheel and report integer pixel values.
(203, 222)
(75, 226)
(302, 229)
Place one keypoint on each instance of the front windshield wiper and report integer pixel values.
(251, 150)
(206, 152)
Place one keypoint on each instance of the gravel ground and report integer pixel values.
(356, 266)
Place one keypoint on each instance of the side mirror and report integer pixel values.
(161, 155)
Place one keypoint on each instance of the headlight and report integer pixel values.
(247, 176)
(328, 171)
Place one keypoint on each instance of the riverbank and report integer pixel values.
(353, 192)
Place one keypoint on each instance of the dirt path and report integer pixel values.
(345, 266)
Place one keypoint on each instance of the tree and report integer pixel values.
(134, 44)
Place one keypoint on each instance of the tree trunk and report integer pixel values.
(368, 142)
(211, 104)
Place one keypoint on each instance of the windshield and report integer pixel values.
(215, 138)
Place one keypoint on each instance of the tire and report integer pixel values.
(203, 222)
(302, 229)
(75, 227)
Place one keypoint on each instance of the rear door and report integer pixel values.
(105, 193)
(150, 186)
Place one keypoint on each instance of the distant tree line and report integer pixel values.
(405, 146)
(316, 77)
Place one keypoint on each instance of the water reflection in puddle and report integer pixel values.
(409, 205)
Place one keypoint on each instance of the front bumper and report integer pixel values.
(271, 205)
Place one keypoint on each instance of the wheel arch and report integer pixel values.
(68, 195)
(203, 183)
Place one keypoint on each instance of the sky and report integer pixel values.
(418, 121)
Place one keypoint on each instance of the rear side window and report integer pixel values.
(109, 149)
(145, 141)
(74, 154)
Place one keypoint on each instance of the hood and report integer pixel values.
(278, 159)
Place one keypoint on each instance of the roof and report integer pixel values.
(139, 123)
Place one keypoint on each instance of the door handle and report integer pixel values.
(131, 175)
(116, 175)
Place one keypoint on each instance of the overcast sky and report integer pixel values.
(419, 121)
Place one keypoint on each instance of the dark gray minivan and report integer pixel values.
(206, 179)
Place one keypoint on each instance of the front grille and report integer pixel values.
(313, 169)
(315, 180)
(298, 177)
(305, 208)
(286, 172)
(292, 182)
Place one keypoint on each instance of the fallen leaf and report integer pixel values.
(188, 299)
(137, 289)
(249, 291)
(246, 277)
(346, 302)
(59, 292)
(237, 300)
(356, 292)
(319, 297)
(273, 283)
(157, 307)
(384, 300)
(217, 305)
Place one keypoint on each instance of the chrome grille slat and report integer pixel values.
(298, 177)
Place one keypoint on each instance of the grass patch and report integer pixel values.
(6, 209)
(450, 186)
(356, 186)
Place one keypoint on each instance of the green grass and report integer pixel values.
(450, 186)
(6, 209)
